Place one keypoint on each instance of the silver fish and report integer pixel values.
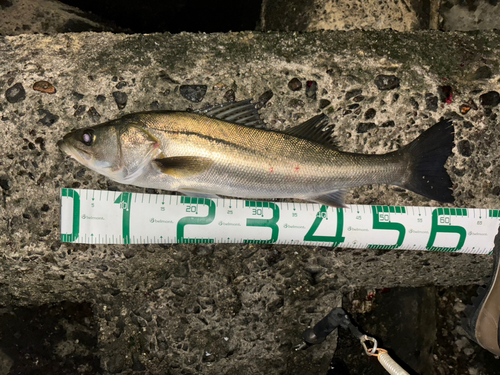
(221, 151)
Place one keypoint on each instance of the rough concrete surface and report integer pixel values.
(46, 16)
(303, 15)
(226, 308)
(454, 15)
(470, 15)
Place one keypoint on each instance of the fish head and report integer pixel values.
(96, 147)
(118, 151)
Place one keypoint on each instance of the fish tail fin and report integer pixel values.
(427, 156)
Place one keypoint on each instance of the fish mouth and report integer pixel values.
(73, 152)
(63, 147)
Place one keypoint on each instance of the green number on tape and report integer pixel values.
(193, 220)
(76, 215)
(437, 220)
(124, 200)
(267, 223)
(322, 214)
(382, 220)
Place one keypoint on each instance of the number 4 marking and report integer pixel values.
(335, 240)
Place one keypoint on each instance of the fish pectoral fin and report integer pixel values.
(183, 166)
(335, 199)
(197, 194)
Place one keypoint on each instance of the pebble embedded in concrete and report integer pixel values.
(465, 148)
(445, 93)
(77, 95)
(414, 103)
(93, 114)
(311, 89)
(483, 72)
(352, 93)
(490, 99)
(16, 93)
(5, 183)
(48, 118)
(363, 127)
(264, 98)
(295, 84)
(45, 87)
(193, 93)
(323, 103)
(431, 102)
(120, 99)
(296, 103)
(388, 124)
(386, 82)
(370, 113)
(230, 96)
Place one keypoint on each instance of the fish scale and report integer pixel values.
(255, 163)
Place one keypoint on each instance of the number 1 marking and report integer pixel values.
(124, 200)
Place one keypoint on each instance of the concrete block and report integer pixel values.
(450, 15)
(174, 305)
(46, 16)
(300, 15)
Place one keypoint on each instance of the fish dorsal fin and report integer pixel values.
(183, 166)
(316, 130)
(241, 113)
(334, 198)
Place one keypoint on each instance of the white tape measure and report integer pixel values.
(112, 217)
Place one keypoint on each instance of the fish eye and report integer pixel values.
(88, 137)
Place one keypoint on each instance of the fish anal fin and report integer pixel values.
(334, 199)
(315, 129)
(183, 166)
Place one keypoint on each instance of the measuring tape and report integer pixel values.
(112, 217)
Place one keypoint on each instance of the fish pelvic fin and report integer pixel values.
(334, 199)
(427, 156)
(183, 166)
(197, 194)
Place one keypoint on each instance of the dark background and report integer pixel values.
(147, 16)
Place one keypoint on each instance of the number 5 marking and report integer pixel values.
(386, 224)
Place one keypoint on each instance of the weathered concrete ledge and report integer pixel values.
(184, 300)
